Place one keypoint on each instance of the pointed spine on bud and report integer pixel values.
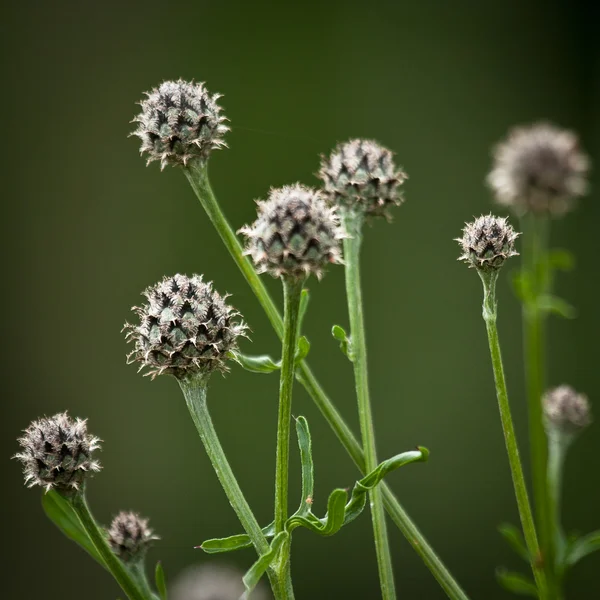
(566, 412)
(185, 328)
(540, 170)
(296, 234)
(487, 242)
(361, 175)
(130, 537)
(58, 453)
(180, 122)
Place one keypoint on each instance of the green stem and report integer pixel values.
(353, 222)
(98, 537)
(489, 316)
(138, 570)
(194, 390)
(536, 273)
(197, 175)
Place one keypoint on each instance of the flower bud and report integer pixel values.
(129, 536)
(566, 411)
(185, 328)
(57, 453)
(180, 122)
(539, 169)
(361, 175)
(296, 233)
(487, 242)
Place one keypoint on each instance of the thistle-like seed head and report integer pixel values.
(180, 122)
(129, 536)
(57, 453)
(487, 242)
(296, 233)
(185, 328)
(539, 169)
(565, 410)
(361, 175)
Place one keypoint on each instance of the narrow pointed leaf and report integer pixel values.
(332, 521)
(341, 336)
(515, 539)
(304, 298)
(582, 547)
(561, 259)
(160, 579)
(303, 349)
(255, 364)
(516, 583)
(234, 542)
(554, 304)
(60, 512)
(305, 444)
(258, 569)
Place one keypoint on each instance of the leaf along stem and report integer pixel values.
(512, 450)
(194, 390)
(197, 175)
(118, 570)
(353, 222)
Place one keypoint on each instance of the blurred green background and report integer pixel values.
(87, 226)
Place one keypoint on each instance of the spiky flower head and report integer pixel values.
(212, 582)
(58, 453)
(539, 169)
(129, 536)
(361, 175)
(180, 122)
(296, 233)
(565, 410)
(487, 242)
(185, 328)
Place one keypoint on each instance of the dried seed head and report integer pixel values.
(565, 410)
(296, 233)
(185, 328)
(487, 242)
(129, 536)
(212, 582)
(180, 122)
(361, 174)
(57, 453)
(539, 169)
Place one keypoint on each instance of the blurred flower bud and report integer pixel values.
(129, 536)
(566, 411)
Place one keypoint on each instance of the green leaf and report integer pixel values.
(61, 513)
(303, 349)
(561, 259)
(234, 542)
(159, 577)
(258, 569)
(515, 539)
(305, 444)
(304, 298)
(582, 547)
(516, 583)
(523, 287)
(553, 304)
(340, 335)
(255, 364)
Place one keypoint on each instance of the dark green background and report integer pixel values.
(86, 227)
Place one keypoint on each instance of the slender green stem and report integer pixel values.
(197, 175)
(138, 570)
(535, 272)
(123, 577)
(353, 222)
(194, 390)
(489, 316)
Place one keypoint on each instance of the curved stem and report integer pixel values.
(197, 175)
(98, 538)
(353, 222)
(512, 450)
(194, 390)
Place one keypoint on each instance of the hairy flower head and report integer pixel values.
(180, 122)
(487, 242)
(185, 328)
(539, 169)
(296, 233)
(565, 410)
(361, 175)
(129, 536)
(57, 453)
